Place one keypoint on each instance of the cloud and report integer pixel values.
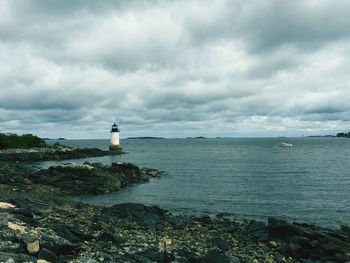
(174, 68)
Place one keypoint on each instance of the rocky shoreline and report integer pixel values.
(54, 152)
(39, 222)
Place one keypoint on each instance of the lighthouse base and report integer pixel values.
(115, 147)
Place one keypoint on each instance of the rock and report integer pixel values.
(292, 250)
(273, 244)
(345, 229)
(219, 242)
(259, 230)
(9, 246)
(302, 241)
(66, 233)
(33, 247)
(4, 205)
(56, 244)
(107, 236)
(143, 215)
(47, 255)
(281, 229)
(216, 257)
(152, 254)
(13, 226)
(72, 234)
(52, 153)
(89, 178)
(330, 249)
(9, 257)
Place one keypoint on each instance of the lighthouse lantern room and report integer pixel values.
(115, 145)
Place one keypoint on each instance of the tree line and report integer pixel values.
(343, 134)
(13, 141)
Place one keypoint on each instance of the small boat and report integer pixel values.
(286, 144)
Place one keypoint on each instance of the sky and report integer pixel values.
(229, 68)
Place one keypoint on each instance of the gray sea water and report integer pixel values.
(241, 178)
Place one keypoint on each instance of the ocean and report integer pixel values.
(240, 178)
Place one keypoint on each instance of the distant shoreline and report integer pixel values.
(144, 138)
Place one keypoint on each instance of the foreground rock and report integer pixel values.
(57, 152)
(36, 226)
(60, 230)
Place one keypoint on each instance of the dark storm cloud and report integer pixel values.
(166, 66)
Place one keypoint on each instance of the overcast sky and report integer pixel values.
(174, 68)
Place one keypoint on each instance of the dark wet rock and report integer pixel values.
(47, 255)
(292, 250)
(259, 230)
(204, 219)
(305, 241)
(56, 244)
(4, 179)
(107, 236)
(154, 255)
(143, 215)
(345, 229)
(330, 249)
(11, 257)
(72, 234)
(281, 229)
(216, 256)
(9, 246)
(219, 242)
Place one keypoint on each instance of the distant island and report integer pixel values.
(316, 136)
(59, 139)
(199, 137)
(343, 134)
(145, 138)
(340, 134)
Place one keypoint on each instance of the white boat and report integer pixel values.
(286, 144)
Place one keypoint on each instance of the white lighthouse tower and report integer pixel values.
(115, 145)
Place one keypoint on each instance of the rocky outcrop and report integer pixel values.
(75, 179)
(95, 178)
(58, 152)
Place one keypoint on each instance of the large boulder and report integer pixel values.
(303, 241)
(281, 229)
(258, 229)
(141, 214)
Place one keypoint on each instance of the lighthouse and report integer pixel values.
(115, 145)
